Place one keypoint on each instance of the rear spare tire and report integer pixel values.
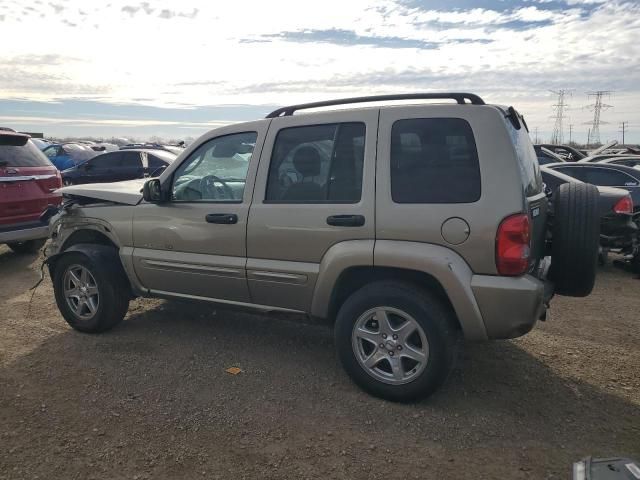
(575, 234)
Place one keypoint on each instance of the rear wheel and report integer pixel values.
(396, 341)
(29, 246)
(575, 238)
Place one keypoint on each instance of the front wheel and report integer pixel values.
(90, 296)
(396, 341)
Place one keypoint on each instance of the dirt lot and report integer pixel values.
(151, 399)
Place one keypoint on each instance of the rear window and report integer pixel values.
(527, 159)
(27, 155)
(434, 160)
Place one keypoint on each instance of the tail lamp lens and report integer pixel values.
(624, 205)
(513, 245)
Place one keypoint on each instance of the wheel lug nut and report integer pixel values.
(384, 335)
(399, 347)
(395, 337)
(382, 345)
(391, 353)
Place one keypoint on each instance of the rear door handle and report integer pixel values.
(223, 218)
(346, 220)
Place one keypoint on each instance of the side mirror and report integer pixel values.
(152, 191)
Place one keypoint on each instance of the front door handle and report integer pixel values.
(346, 220)
(223, 218)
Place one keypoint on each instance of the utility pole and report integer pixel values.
(536, 141)
(557, 137)
(597, 107)
(624, 127)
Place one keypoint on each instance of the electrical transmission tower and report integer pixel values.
(597, 107)
(557, 137)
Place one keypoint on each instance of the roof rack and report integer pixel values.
(458, 97)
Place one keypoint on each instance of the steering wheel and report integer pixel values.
(209, 190)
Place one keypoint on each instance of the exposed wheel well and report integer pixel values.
(355, 278)
(87, 236)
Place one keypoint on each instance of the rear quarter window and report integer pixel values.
(434, 160)
(527, 160)
(27, 155)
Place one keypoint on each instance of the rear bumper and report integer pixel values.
(510, 306)
(23, 232)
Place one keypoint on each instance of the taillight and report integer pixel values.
(624, 205)
(513, 245)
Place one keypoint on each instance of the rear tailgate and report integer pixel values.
(536, 200)
(26, 191)
(27, 180)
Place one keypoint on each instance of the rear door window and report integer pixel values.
(27, 155)
(317, 164)
(434, 160)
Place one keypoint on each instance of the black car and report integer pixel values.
(618, 227)
(566, 152)
(119, 165)
(546, 156)
(605, 175)
(630, 161)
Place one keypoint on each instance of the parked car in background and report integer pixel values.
(566, 152)
(618, 227)
(602, 157)
(104, 147)
(28, 182)
(118, 165)
(40, 143)
(605, 175)
(630, 161)
(67, 155)
(175, 149)
(546, 156)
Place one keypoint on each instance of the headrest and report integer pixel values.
(307, 161)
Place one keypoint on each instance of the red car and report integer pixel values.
(28, 182)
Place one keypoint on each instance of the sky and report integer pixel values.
(178, 69)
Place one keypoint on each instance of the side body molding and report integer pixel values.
(447, 267)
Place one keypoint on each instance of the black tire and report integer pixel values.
(112, 290)
(575, 239)
(435, 319)
(30, 246)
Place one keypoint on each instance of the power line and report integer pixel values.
(597, 107)
(557, 137)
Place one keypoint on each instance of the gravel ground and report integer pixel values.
(151, 399)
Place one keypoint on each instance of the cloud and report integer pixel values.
(349, 37)
(206, 53)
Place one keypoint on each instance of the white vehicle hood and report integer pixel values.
(128, 192)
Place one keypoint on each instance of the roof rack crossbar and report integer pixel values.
(458, 97)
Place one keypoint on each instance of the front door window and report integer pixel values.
(216, 171)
